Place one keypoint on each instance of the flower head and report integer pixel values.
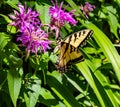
(87, 8)
(34, 40)
(59, 17)
(31, 35)
(25, 19)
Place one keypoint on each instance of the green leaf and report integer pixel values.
(91, 50)
(15, 62)
(47, 98)
(53, 57)
(11, 29)
(14, 46)
(112, 20)
(107, 48)
(97, 86)
(6, 18)
(74, 6)
(3, 40)
(117, 2)
(31, 96)
(14, 84)
(105, 89)
(62, 92)
(88, 76)
(13, 3)
(43, 10)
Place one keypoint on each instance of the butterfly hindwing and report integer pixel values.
(68, 55)
(69, 49)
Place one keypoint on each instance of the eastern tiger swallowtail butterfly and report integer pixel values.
(69, 49)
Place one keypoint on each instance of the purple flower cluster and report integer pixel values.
(87, 8)
(31, 35)
(59, 17)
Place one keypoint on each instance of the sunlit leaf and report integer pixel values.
(43, 10)
(14, 84)
(107, 47)
(4, 38)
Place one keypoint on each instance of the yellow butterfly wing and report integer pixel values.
(69, 51)
(78, 38)
(68, 55)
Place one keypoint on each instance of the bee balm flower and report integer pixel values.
(24, 19)
(34, 40)
(31, 35)
(59, 17)
(87, 8)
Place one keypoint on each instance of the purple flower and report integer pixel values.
(31, 35)
(87, 8)
(36, 40)
(25, 19)
(59, 17)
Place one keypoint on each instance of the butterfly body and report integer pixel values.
(69, 49)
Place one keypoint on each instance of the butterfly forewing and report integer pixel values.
(78, 38)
